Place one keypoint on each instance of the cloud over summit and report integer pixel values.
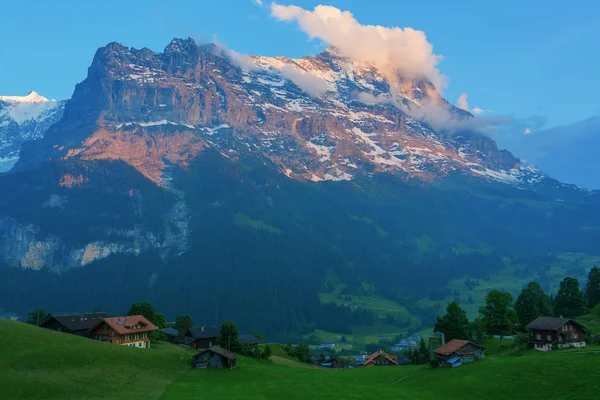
(395, 51)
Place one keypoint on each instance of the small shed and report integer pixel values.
(214, 357)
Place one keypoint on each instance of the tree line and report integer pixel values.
(501, 316)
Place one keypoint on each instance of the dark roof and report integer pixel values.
(186, 340)
(249, 339)
(454, 346)
(551, 323)
(170, 332)
(202, 332)
(220, 351)
(78, 322)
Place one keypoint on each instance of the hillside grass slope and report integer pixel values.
(41, 364)
(37, 363)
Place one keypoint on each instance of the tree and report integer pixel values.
(477, 330)
(229, 336)
(159, 320)
(147, 310)
(423, 352)
(498, 316)
(267, 352)
(454, 324)
(183, 323)
(570, 300)
(592, 288)
(38, 317)
(144, 308)
(533, 302)
(303, 352)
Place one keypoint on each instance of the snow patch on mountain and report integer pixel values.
(24, 118)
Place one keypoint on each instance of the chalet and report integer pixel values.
(249, 340)
(77, 324)
(378, 358)
(214, 357)
(456, 352)
(133, 331)
(564, 332)
(200, 337)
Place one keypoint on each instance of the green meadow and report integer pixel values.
(40, 364)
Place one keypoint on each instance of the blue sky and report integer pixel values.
(525, 58)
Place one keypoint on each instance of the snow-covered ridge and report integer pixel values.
(24, 108)
(24, 118)
(32, 97)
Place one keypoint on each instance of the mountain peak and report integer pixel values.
(31, 97)
(181, 45)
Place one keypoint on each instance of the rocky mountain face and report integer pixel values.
(317, 118)
(22, 119)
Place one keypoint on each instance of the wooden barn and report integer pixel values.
(456, 352)
(214, 357)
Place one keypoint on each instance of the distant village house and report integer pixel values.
(564, 332)
(379, 358)
(456, 352)
(133, 331)
(200, 337)
(76, 324)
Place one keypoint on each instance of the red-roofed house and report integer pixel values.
(456, 352)
(380, 357)
(133, 331)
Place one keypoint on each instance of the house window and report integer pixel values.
(575, 335)
(548, 337)
(538, 336)
(140, 344)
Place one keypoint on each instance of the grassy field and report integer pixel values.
(37, 363)
(40, 364)
(533, 375)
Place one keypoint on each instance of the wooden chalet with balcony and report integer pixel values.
(559, 331)
(133, 331)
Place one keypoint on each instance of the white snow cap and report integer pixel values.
(25, 108)
(32, 97)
